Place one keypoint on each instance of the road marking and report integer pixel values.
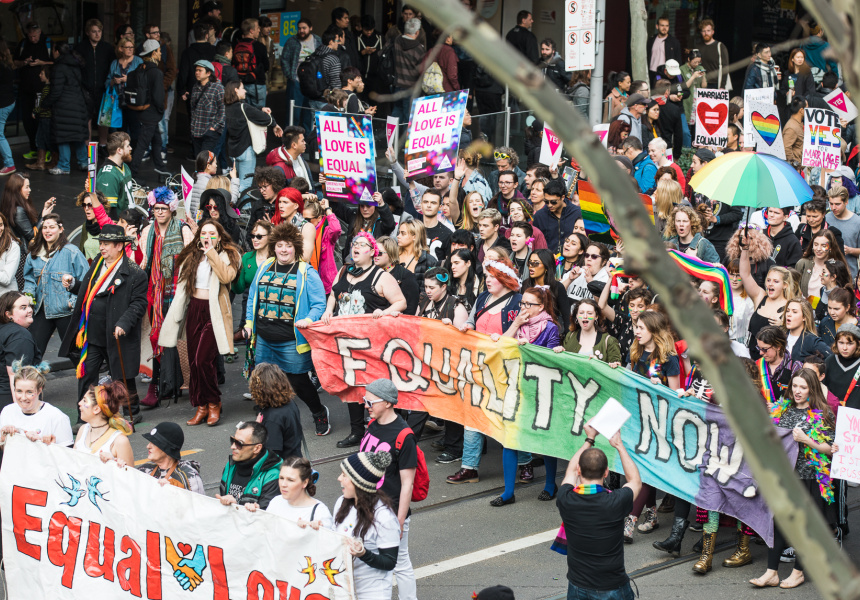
(137, 463)
(485, 554)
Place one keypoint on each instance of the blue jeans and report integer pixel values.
(66, 154)
(473, 444)
(245, 164)
(255, 95)
(5, 150)
(168, 108)
(625, 592)
(688, 138)
(221, 150)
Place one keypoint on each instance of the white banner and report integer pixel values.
(74, 528)
(764, 95)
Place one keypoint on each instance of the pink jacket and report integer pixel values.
(327, 269)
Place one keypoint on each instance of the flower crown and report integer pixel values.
(162, 195)
(503, 268)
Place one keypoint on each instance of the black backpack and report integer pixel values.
(386, 68)
(136, 92)
(311, 77)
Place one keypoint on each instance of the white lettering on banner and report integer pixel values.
(433, 135)
(64, 543)
(821, 139)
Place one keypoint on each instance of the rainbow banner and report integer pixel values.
(92, 165)
(597, 223)
(530, 398)
(707, 272)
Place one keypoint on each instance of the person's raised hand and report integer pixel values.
(590, 431)
(50, 204)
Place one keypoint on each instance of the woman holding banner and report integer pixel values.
(104, 432)
(804, 410)
(494, 313)
(362, 288)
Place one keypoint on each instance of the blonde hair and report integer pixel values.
(668, 195)
(218, 182)
(838, 190)
(661, 331)
(29, 373)
(791, 287)
(805, 310)
(695, 223)
(390, 247)
(466, 222)
(416, 228)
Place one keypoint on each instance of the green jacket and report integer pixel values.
(263, 485)
(606, 348)
(246, 273)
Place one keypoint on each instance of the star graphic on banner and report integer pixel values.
(310, 571)
(329, 572)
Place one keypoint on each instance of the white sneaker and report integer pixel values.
(787, 555)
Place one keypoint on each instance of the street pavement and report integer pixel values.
(458, 543)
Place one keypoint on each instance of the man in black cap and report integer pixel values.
(165, 459)
(719, 220)
(114, 294)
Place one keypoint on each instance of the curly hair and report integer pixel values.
(273, 176)
(270, 386)
(286, 232)
(760, 246)
(695, 223)
(189, 259)
(79, 200)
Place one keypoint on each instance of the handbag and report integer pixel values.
(258, 134)
(110, 113)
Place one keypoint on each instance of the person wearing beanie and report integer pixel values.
(385, 430)
(251, 473)
(165, 459)
(373, 541)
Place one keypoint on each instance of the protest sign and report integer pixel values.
(391, 125)
(712, 117)
(763, 95)
(92, 165)
(187, 186)
(530, 398)
(610, 419)
(821, 144)
(347, 157)
(767, 133)
(74, 527)
(433, 137)
(550, 147)
(602, 132)
(841, 105)
(846, 462)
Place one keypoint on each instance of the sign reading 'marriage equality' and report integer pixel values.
(74, 527)
(530, 398)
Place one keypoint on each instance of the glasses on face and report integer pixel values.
(501, 155)
(128, 47)
(265, 185)
(211, 206)
(258, 236)
(535, 264)
(591, 256)
(361, 245)
(154, 33)
(369, 403)
(553, 202)
(506, 183)
(524, 304)
(763, 350)
(240, 445)
(88, 204)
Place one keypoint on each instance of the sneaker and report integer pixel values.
(649, 521)
(432, 425)
(31, 154)
(321, 422)
(247, 396)
(145, 378)
(146, 156)
(527, 474)
(7, 171)
(316, 381)
(58, 171)
(787, 555)
(447, 457)
(629, 525)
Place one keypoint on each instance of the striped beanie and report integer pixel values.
(366, 469)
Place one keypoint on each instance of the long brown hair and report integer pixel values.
(40, 242)
(661, 331)
(8, 237)
(817, 401)
(834, 252)
(189, 259)
(365, 508)
(13, 198)
(804, 68)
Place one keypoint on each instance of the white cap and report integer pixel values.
(673, 68)
(149, 46)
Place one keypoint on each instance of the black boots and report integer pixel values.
(672, 544)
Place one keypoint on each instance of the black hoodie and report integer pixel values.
(786, 247)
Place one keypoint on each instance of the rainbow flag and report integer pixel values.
(597, 223)
(707, 272)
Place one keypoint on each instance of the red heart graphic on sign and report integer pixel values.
(184, 548)
(711, 116)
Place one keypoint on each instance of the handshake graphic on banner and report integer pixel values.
(188, 572)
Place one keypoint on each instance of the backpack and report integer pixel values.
(386, 68)
(219, 70)
(245, 61)
(432, 81)
(310, 74)
(421, 484)
(136, 92)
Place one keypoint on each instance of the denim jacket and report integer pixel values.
(44, 280)
(310, 300)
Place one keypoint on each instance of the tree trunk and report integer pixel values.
(834, 575)
(639, 39)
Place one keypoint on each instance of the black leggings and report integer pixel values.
(306, 391)
(779, 544)
(43, 328)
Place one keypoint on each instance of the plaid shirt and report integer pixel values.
(207, 108)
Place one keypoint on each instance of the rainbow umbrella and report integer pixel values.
(751, 180)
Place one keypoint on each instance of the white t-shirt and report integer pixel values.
(790, 341)
(370, 583)
(48, 420)
(316, 512)
(578, 288)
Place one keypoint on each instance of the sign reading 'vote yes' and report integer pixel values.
(821, 138)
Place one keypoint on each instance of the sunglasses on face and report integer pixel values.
(88, 204)
(763, 350)
(211, 206)
(369, 403)
(535, 264)
(501, 156)
(258, 236)
(240, 445)
(592, 256)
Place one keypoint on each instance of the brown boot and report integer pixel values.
(214, 415)
(200, 416)
(703, 565)
(742, 555)
(39, 165)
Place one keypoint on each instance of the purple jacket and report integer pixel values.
(549, 337)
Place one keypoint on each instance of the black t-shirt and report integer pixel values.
(284, 428)
(97, 331)
(241, 476)
(670, 368)
(594, 525)
(16, 343)
(384, 438)
(437, 240)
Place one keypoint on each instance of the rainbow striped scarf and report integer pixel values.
(589, 489)
(766, 385)
(92, 289)
(818, 460)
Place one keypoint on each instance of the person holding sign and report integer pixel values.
(804, 410)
